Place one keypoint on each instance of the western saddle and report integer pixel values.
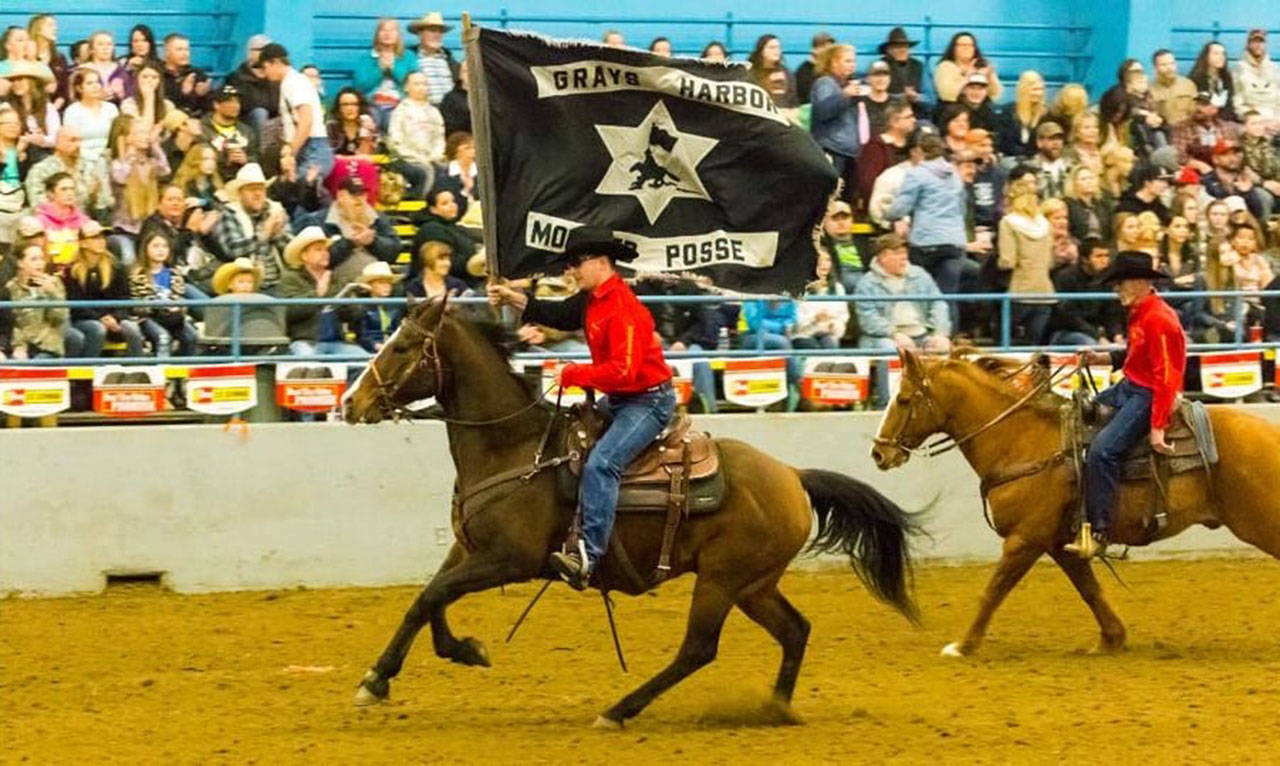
(1190, 433)
(678, 474)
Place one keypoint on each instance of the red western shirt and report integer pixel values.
(1156, 357)
(626, 354)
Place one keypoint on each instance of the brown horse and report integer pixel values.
(965, 400)
(496, 421)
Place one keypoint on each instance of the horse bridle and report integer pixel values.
(430, 362)
(947, 443)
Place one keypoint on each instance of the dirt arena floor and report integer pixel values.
(142, 676)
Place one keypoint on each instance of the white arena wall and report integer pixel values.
(324, 505)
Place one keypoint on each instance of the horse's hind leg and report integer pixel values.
(1015, 561)
(452, 582)
(1080, 572)
(770, 610)
(711, 604)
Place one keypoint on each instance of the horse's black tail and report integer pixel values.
(869, 528)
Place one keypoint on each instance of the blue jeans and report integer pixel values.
(1132, 423)
(162, 340)
(637, 421)
(318, 152)
(1033, 318)
(880, 395)
(325, 348)
(704, 381)
(945, 263)
(84, 338)
(1072, 338)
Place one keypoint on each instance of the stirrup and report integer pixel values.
(1086, 546)
(560, 561)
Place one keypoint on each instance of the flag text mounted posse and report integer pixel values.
(687, 160)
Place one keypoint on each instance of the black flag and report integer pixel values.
(688, 160)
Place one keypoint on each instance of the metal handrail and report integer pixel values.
(1006, 301)
(1076, 33)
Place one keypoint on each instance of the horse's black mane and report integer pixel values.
(505, 343)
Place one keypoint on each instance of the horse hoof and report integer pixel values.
(1103, 648)
(366, 698)
(779, 713)
(373, 689)
(606, 724)
(952, 650)
(471, 651)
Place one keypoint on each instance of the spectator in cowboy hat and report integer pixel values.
(252, 226)
(906, 73)
(434, 60)
(377, 323)
(240, 277)
(315, 329)
(366, 234)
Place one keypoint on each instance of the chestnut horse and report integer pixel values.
(1007, 426)
(496, 423)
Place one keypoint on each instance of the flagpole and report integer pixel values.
(478, 102)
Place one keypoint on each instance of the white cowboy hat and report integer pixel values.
(432, 19)
(37, 70)
(228, 271)
(376, 271)
(248, 175)
(301, 241)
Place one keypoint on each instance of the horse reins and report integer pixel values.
(430, 362)
(947, 443)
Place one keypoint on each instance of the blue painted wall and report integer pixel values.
(333, 32)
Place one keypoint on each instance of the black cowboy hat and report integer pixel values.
(897, 36)
(1131, 264)
(591, 241)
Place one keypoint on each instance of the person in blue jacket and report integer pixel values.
(769, 325)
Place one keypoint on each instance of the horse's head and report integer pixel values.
(912, 416)
(406, 369)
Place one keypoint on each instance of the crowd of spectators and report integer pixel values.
(126, 172)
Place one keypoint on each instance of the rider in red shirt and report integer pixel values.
(627, 366)
(1154, 362)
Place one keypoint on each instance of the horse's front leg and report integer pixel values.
(1015, 562)
(459, 575)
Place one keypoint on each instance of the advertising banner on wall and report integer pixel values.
(128, 392)
(836, 380)
(310, 386)
(1231, 375)
(755, 382)
(34, 392)
(224, 389)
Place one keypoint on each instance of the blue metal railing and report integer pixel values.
(1077, 35)
(236, 353)
(1214, 30)
(219, 44)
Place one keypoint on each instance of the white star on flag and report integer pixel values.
(654, 162)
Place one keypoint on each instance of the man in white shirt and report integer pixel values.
(300, 109)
